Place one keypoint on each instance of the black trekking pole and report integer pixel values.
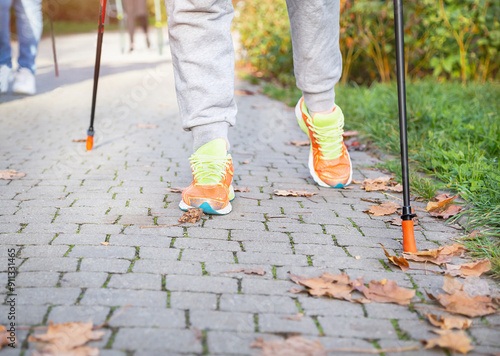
(56, 67)
(407, 215)
(100, 34)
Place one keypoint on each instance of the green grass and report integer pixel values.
(453, 137)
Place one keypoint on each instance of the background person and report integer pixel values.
(29, 30)
(137, 10)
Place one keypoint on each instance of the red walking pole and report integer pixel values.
(100, 34)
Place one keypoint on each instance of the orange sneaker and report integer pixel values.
(211, 189)
(329, 161)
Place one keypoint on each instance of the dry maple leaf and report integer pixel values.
(330, 285)
(175, 190)
(396, 221)
(299, 143)
(4, 335)
(385, 291)
(191, 216)
(469, 269)
(296, 317)
(454, 341)
(11, 174)
(293, 193)
(447, 212)
(401, 262)
(458, 301)
(438, 256)
(105, 243)
(441, 201)
(147, 126)
(257, 271)
(382, 183)
(293, 346)
(241, 189)
(383, 209)
(68, 339)
(449, 322)
(243, 92)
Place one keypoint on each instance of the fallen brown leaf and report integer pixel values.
(382, 184)
(293, 193)
(458, 301)
(330, 285)
(350, 133)
(449, 322)
(175, 190)
(245, 161)
(438, 256)
(354, 181)
(191, 216)
(243, 92)
(385, 291)
(79, 140)
(11, 174)
(105, 243)
(296, 317)
(299, 143)
(68, 339)
(241, 189)
(441, 201)
(4, 337)
(401, 262)
(469, 269)
(293, 346)
(447, 212)
(383, 209)
(147, 126)
(454, 341)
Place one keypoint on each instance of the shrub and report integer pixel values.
(447, 39)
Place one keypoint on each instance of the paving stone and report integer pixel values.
(201, 284)
(157, 339)
(149, 317)
(74, 313)
(273, 304)
(37, 279)
(219, 320)
(142, 241)
(207, 255)
(271, 258)
(323, 306)
(207, 244)
(122, 297)
(232, 270)
(54, 264)
(168, 267)
(84, 279)
(278, 324)
(26, 239)
(79, 239)
(271, 236)
(234, 343)
(266, 287)
(104, 265)
(135, 281)
(25, 315)
(44, 296)
(44, 251)
(365, 328)
(102, 252)
(193, 301)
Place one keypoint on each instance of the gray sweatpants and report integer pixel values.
(203, 60)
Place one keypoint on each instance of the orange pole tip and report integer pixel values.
(408, 236)
(90, 142)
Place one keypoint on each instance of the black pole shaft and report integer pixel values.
(56, 67)
(97, 67)
(400, 65)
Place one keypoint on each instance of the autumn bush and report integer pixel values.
(446, 39)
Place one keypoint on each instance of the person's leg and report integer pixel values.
(5, 49)
(318, 66)
(129, 10)
(29, 30)
(143, 22)
(316, 50)
(203, 60)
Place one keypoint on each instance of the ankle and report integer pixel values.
(203, 134)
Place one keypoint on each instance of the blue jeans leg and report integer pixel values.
(5, 49)
(29, 30)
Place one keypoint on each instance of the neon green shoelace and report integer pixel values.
(329, 139)
(208, 169)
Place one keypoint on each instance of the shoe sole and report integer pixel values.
(312, 171)
(207, 209)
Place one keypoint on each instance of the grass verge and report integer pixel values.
(453, 136)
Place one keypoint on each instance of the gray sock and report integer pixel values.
(205, 133)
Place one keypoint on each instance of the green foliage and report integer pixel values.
(448, 39)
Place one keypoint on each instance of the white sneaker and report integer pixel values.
(5, 78)
(24, 82)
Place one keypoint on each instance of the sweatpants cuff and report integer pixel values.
(319, 102)
(205, 133)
